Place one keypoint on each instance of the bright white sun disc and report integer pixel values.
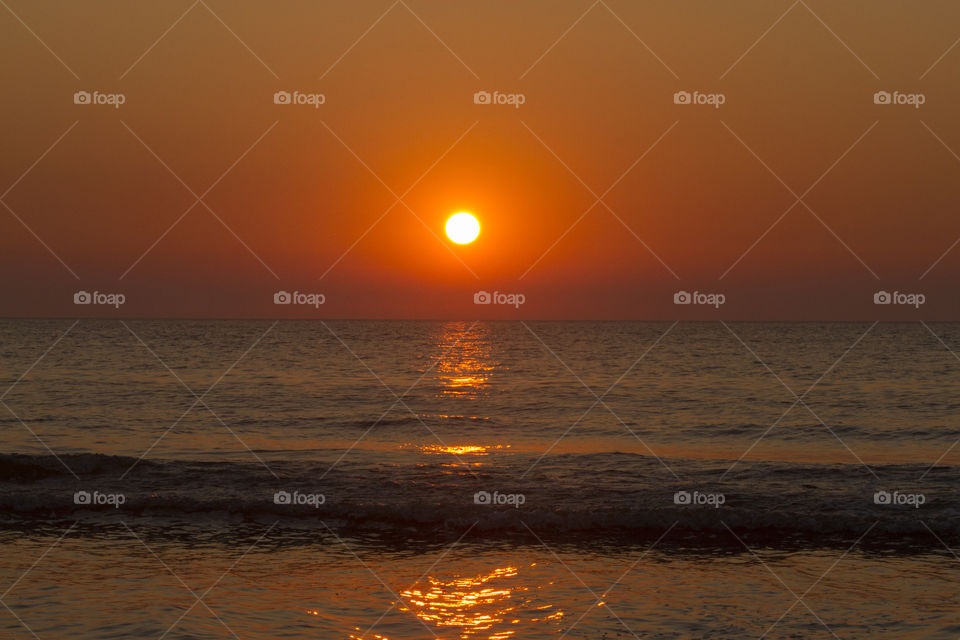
(463, 228)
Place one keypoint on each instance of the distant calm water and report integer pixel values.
(335, 480)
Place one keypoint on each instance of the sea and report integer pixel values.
(393, 480)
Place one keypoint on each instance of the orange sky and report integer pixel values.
(304, 203)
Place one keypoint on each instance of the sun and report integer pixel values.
(463, 228)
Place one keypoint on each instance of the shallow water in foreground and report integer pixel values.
(300, 584)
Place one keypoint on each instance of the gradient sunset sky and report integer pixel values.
(693, 197)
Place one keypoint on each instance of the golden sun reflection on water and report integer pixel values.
(465, 362)
(479, 607)
(462, 450)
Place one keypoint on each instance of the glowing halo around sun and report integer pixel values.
(463, 228)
